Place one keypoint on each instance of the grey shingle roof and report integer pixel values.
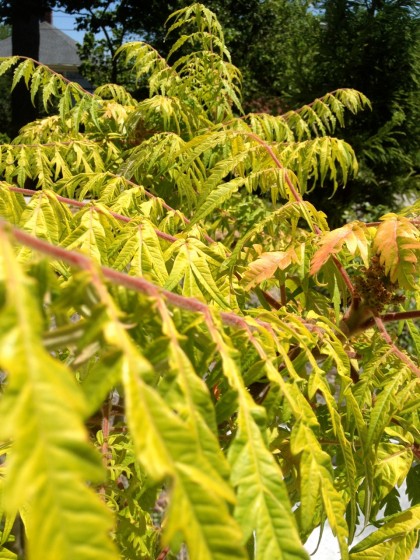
(57, 50)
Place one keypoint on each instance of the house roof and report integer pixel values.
(56, 49)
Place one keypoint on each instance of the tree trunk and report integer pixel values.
(25, 42)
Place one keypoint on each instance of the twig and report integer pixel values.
(298, 198)
(163, 553)
(385, 335)
(392, 317)
(138, 284)
(82, 204)
(67, 81)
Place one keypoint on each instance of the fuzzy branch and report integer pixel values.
(385, 335)
(143, 286)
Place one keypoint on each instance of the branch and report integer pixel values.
(141, 285)
(414, 221)
(344, 276)
(392, 317)
(82, 204)
(385, 335)
(136, 283)
(67, 81)
(276, 160)
(298, 198)
(120, 217)
(286, 116)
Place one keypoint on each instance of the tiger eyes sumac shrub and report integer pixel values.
(170, 378)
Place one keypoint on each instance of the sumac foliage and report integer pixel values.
(191, 360)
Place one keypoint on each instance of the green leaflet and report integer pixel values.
(385, 406)
(314, 160)
(7, 518)
(167, 448)
(257, 478)
(395, 540)
(45, 217)
(260, 489)
(139, 248)
(6, 554)
(24, 70)
(289, 210)
(7, 63)
(47, 164)
(130, 201)
(317, 484)
(191, 270)
(11, 204)
(414, 335)
(101, 379)
(92, 233)
(216, 197)
(393, 462)
(42, 410)
(147, 60)
(297, 403)
(317, 382)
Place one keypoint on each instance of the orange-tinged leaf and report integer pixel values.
(352, 235)
(398, 246)
(267, 264)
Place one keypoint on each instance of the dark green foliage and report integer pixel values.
(375, 48)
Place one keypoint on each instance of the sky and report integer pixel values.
(66, 23)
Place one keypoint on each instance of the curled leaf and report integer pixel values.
(398, 246)
(267, 264)
(352, 235)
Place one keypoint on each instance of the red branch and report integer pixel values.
(67, 81)
(276, 160)
(299, 199)
(82, 204)
(136, 283)
(151, 290)
(385, 335)
(394, 316)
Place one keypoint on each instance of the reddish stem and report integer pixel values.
(106, 429)
(283, 296)
(298, 198)
(164, 553)
(344, 275)
(385, 335)
(82, 204)
(136, 283)
(394, 316)
(276, 160)
(78, 86)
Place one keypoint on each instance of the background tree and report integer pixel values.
(274, 48)
(374, 47)
(109, 19)
(23, 16)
